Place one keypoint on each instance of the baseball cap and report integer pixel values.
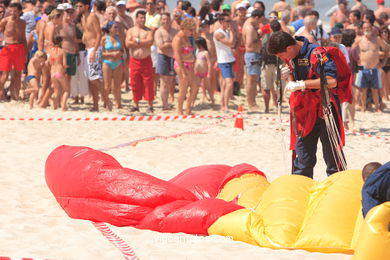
(241, 5)
(336, 31)
(380, 2)
(60, 7)
(121, 3)
(67, 6)
(249, 11)
(226, 7)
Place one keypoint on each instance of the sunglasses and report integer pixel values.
(149, 3)
(273, 17)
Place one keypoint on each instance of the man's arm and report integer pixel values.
(98, 31)
(129, 41)
(3, 23)
(148, 41)
(227, 41)
(385, 49)
(368, 201)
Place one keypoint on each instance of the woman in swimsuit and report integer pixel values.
(203, 69)
(59, 80)
(112, 60)
(184, 62)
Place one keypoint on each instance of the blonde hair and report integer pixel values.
(40, 54)
(188, 24)
(111, 8)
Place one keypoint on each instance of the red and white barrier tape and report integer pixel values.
(117, 118)
(18, 258)
(368, 135)
(127, 251)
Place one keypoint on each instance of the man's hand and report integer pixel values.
(92, 57)
(285, 73)
(293, 86)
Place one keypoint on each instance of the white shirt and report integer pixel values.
(224, 52)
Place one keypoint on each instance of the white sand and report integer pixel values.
(32, 224)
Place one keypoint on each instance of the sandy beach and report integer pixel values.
(34, 225)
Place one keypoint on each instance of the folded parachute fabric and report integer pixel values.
(292, 212)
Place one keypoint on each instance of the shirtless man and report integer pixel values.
(163, 38)
(381, 8)
(139, 39)
(69, 40)
(122, 17)
(252, 41)
(13, 54)
(91, 38)
(341, 15)
(359, 6)
(281, 6)
(368, 47)
(240, 50)
(310, 23)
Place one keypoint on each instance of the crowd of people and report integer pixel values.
(55, 50)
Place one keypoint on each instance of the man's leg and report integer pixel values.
(306, 149)
(3, 79)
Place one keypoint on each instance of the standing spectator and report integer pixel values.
(381, 8)
(224, 40)
(384, 34)
(252, 40)
(202, 69)
(163, 38)
(268, 71)
(139, 39)
(112, 46)
(13, 54)
(309, 24)
(368, 76)
(341, 15)
(280, 6)
(239, 19)
(186, 7)
(33, 9)
(359, 6)
(184, 64)
(122, 17)
(354, 19)
(92, 38)
(99, 7)
(79, 82)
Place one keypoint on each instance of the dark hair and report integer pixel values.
(215, 5)
(260, 3)
(49, 9)
(186, 5)
(275, 26)
(166, 14)
(279, 41)
(349, 36)
(370, 16)
(140, 12)
(273, 12)
(100, 5)
(383, 16)
(107, 27)
(369, 169)
(204, 10)
(57, 40)
(201, 42)
(5, 2)
(84, 2)
(314, 13)
(222, 16)
(257, 13)
(357, 14)
(17, 5)
(33, 2)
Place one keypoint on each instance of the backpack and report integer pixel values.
(344, 73)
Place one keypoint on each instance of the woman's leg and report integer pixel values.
(56, 92)
(64, 83)
(117, 75)
(33, 90)
(183, 86)
(194, 88)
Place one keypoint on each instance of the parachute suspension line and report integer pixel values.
(331, 126)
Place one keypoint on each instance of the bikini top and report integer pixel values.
(110, 47)
(187, 49)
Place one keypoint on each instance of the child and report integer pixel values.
(34, 70)
(376, 188)
(202, 69)
(59, 80)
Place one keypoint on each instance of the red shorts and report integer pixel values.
(12, 57)
(141, 75)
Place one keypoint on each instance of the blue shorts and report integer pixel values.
(164, 65)
(252, 63)
(368, 78)
(226, 70)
